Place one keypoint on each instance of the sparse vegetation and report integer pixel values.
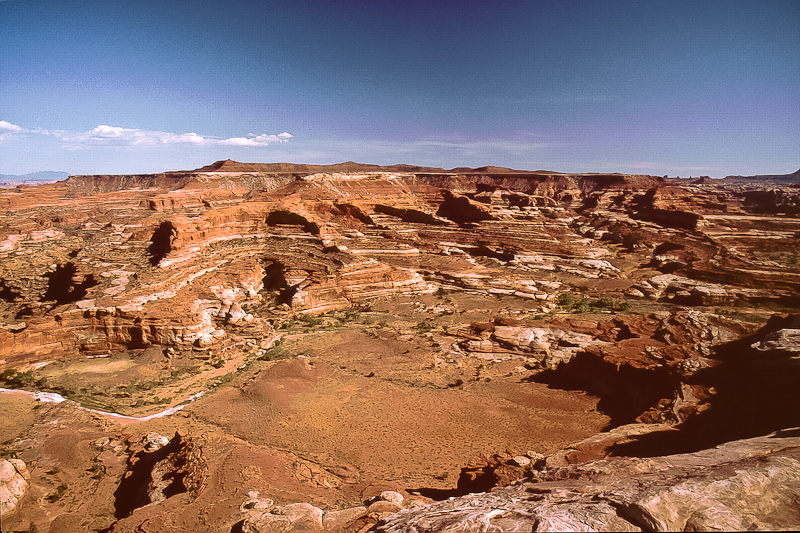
(227, 378)
(581, 306)
(566, 300)
(274, 353)
(178, 372)
(12, 378)
(584, 305)
(351, 316)
(424, 326)
(310, 321)
(428, 364)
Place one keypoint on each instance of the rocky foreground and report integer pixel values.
(284, 347)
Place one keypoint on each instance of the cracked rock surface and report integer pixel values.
(751, 484)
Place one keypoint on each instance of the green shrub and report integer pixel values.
(566, 299)
(605, 303)
(581, 307)
(17, 379)
(351, 315)
(274, 353)
(425, 326)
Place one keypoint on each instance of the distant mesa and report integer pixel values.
(783, 179)
(33, 178)
(229, 165)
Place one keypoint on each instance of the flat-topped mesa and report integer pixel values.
(525, 181)
(302, 169)
(764, 179)
(85, 185)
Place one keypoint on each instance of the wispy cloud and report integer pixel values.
(256, 140)
(466, 148)
(116, 136)
(7, 128)
(652, 165)
(446, 152)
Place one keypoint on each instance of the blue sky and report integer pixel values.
(677, 88)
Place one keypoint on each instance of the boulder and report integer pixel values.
(14, 481)
(292, 517)
(783, 340)
(391, 496)
(336, 520)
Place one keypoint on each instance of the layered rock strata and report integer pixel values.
(320, 319)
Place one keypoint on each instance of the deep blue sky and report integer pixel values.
(677, 88)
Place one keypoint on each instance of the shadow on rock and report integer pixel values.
(624, 392)
(756, 393)
(161, 242)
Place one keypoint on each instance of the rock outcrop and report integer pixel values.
(14, 478)
(750, 484)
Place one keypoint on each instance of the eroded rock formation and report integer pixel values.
(321, 335)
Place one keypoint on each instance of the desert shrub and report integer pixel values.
(17, 379)
(274, 353)
(351, 315)
(227, 377)
(310, 321)
(605, 303)
(566, 299)
(581, 307)
(185, 370)
(612, 304)
(424, 326)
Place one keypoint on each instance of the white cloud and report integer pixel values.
(7, 126)
(116, 136)
(256, 140)
(7, 129)
(105, 135)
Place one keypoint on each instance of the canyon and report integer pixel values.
(278, 347)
